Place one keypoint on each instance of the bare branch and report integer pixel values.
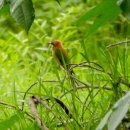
(124, 82)
(27, 92)
(119, 43)
(87, 86)
(16, 108)
(87, 64)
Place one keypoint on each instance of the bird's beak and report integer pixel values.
(51, 43)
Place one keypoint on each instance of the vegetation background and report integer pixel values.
(28, 70)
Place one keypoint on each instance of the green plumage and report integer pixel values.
(61, 57)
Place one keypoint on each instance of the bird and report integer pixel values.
(60, 53)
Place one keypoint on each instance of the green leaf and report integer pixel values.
(105, 11)
(125, 7)
(58, 2)
(2, 3)
(23, 12)
(32, 126)
(4, 9)
(4, 125)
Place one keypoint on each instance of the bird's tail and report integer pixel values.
(71, 75)
(72, 72)
(72, 78)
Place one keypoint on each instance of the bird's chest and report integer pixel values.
(59, 55)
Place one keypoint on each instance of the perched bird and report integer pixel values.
(62, 57)
(60, 54)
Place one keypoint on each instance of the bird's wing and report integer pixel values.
(61, 56)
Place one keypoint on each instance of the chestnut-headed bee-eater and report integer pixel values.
(60, 54)
(62, 57)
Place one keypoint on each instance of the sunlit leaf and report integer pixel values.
(9, 122)
(32, 126)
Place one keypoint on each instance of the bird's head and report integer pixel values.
(56, 43)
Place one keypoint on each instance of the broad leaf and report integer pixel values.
(23, 12)
(58, 2)
(119, 111)
(115, 115)
(125, 6)
(32, 126)
(103, 12)
(9, 122)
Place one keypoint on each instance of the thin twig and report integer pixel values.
(119, 43)
(86, 86)
(125, 82)
(83, 87)
(84, 64)
(87, 64)
(16, 108)
(32, 87)
(9, 105)
(26, 93)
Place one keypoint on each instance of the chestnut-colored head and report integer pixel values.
(56, 43)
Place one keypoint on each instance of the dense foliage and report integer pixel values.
(28, 70)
